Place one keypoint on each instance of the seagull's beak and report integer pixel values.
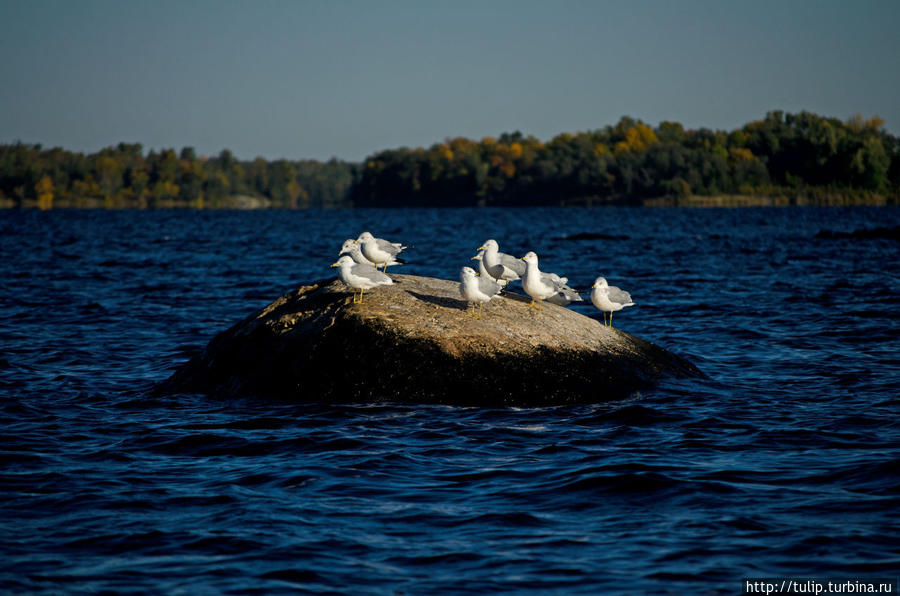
(523, 258)
(334, 264)
(481, 248)
(594, 286)
(477, 273)
(474, 259)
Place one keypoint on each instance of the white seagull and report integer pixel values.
(536, 284)
(378, 250)
(501, 266)
(609, 298)
(360, 276)
(477, 289)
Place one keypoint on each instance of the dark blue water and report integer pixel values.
(786, 461)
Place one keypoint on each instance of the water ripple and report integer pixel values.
(783, 462)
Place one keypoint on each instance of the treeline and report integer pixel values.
(628, 162)
(632, 161)
(124, 176)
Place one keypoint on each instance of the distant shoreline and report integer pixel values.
(245, 203)
(784, 159)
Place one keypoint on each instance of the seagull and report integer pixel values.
(536, 284)
(379, 251)
(351, 248)
(477, 289)
(609, 298)
(482, 272)
(500, 265)
(565, 294)
(360, 276)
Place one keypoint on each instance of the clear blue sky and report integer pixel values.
(314, 79)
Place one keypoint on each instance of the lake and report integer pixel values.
(784, 462)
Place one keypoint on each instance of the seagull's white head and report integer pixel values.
(530, 257)
(347, 245)
(344, 261)
(600, 282)
(365, 237)
(489, 245)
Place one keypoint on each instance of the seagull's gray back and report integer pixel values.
(618, 295)
(369, 272)
(392, 248)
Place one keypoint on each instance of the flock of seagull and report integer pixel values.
(359, 261)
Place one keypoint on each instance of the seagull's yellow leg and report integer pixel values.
(531, 305)
(610, 318)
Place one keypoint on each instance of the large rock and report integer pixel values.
(414, 342)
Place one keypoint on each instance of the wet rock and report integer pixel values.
(415, 342)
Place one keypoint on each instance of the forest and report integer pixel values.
(786, 155)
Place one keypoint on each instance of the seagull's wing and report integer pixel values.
(564, 294)
(488, 286)
(552, 280)
(572, 294)
(619, 296)
(511, 262)
(371, 273)
(498, 271)
(392, 248)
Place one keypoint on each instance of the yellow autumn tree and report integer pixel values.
(44, 191)
(739, 154)
(638, 139)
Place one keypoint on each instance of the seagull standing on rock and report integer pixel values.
(477, 289)
(360, 276)
(609, 298)
(536, 284)
(380, 251)
(501, 266)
